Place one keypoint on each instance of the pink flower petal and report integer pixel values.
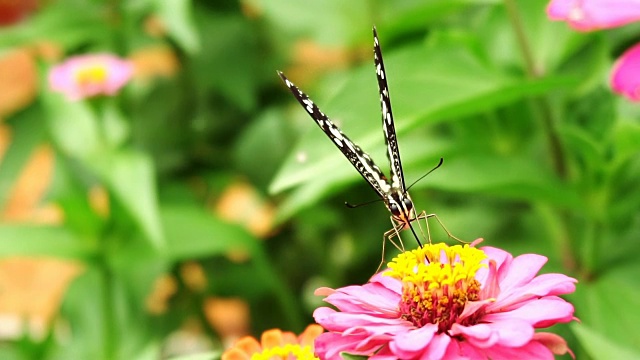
(323, 291)
(587, 15)
(472, 307)
(531, 351)
(437, 347)
(625, 75)
(329, 345)
(498, 255)
(480, 335)
(341, 321)
(388, 282)
(463, 351)
(543, 285)
(520, 271)
(491, 284)
(553, 342)
(411, 343)
(538, 312)
(512, 333)
(371, 297)
(383, 357)
(90, 75)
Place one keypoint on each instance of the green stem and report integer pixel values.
(546, 115)
(108, 326)
(542, 104)
(523, 42)
(288, 301)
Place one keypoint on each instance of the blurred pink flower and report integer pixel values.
(89, 75)
(587, 15)
(442, 302)
(625, 76)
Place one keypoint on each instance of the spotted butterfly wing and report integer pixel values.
(390, 138)
(393, 192)
(358, 158)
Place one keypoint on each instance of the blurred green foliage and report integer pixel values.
(540, 158)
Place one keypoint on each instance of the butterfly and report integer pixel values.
(392, 191)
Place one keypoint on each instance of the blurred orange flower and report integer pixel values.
(276, 344)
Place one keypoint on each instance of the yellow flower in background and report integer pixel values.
(276, 344)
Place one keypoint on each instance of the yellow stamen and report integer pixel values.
(93, 74)
(289, 351)
(437, 282)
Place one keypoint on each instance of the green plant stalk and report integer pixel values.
(283, 293)
(108, 325)
(546, 115)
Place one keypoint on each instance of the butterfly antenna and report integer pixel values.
(351, 206)
(423, 176)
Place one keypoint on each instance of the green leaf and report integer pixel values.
(347, 356)
(627, 139)
(106, 323)
(24, 240)
(202, 356)
(446, 83)
(404, 17)
(550, 42)
(515, 177)
(54, 21)
(600, 346)
(230, 58)
(177, 16)
(262, 146)
(598, 304)
(349, 19)
(73, 126)
(26, 135)
(115, 127)
(130, 176)
(194, 233)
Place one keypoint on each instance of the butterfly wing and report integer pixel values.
(358, 158)
(391, 140)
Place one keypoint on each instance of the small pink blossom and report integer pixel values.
(625, 76)
(442, 302)
(587, 15)
(86, 76)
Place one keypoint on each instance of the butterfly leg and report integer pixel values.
(388, 235)
(424, 215)
(422, 231)
(396, 230)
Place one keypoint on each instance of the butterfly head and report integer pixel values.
(401, 207)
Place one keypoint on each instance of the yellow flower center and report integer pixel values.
(93, 74)
(289, 351)
(437, 282)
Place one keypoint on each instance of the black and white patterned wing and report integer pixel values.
(393, 152)
(358, 158)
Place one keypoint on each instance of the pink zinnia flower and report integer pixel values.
(442, 302)
(625, 76)
(89, 75)
(587, 15)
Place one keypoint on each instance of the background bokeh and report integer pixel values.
(201, 204)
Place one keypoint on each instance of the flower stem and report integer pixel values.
(545, 113)
(107, 307)
(542, 104)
